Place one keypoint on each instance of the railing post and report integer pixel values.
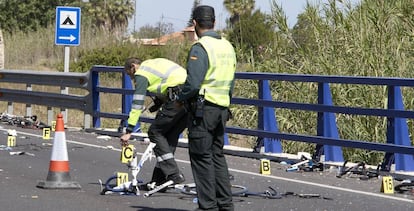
(327, 127)
(267, 120)
(397, 133)
(10, 107)
(96, 121)
(226, 139)
(29, 106)
(50, 116)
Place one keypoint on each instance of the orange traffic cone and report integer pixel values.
(58, 176)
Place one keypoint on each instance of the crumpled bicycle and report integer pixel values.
(405, 186)
(129, 187)
(132, 187)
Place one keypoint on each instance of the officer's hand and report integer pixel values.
(124, 139)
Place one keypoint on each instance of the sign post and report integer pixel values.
(67, 33)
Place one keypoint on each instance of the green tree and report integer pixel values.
(257, 35)
(237, 8)
(28, 15)
(159, 30)
(109, 14)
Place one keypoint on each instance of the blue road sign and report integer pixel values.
(68, 22)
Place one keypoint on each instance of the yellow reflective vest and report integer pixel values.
(220, 74)
(161, 73)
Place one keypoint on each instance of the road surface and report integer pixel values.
(92, 158)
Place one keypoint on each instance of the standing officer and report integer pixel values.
(211, 67)
(158, 76)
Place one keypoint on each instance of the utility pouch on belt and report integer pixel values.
(157, 104)
(199, 107)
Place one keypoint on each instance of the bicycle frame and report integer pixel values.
(135, 166)
(405, 186)
(22, 121)
(190, 189)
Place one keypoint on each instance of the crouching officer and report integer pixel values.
(211, 67)
(157, 76)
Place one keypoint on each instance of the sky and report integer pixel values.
(178, 12)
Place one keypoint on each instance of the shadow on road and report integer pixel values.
(142, 208)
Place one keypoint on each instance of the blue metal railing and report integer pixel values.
(398, 146)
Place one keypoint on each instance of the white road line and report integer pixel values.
(325, 186)
(254, 174)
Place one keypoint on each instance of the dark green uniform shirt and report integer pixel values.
(197, 66)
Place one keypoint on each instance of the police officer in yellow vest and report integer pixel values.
(158, 76)
(211, 67)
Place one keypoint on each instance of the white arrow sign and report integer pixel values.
(70, 38)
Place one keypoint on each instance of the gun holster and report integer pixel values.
(197, 106)
(157, 104)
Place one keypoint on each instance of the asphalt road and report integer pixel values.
(92, 158)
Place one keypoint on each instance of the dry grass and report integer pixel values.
(373, 39)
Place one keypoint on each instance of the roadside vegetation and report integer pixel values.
(373, 38)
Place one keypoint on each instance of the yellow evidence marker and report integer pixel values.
(121, 177)
(264, 166)
(11, 141)
(127, 153)
(387, 185)
(46, 133)
(53, 125)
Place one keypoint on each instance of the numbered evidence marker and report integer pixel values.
(53, 125)
(46, 133)
(121, 177)
(127, 153)
(264, 166)
(11, 141)
(387, 185)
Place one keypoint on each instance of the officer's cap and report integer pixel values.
(204, 13)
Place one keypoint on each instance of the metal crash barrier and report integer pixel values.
(397, 147)
(46, 98)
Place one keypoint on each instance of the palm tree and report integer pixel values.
(111, 15)
(119, 13)
(237, 8)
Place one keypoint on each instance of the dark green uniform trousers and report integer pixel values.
(165, 131)
(209, 166)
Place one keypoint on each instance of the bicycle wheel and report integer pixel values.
(404, 187)
(236, 190)
(110, 186)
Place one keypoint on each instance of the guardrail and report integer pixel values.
(57, 79)
(398, 148)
